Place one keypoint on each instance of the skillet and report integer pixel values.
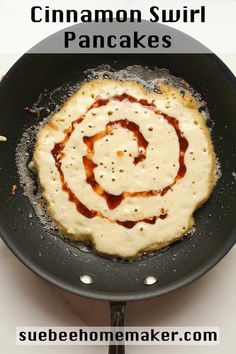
(114, 280)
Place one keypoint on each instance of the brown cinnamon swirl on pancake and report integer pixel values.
(125, 167)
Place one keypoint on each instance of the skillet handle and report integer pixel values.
(117, 321)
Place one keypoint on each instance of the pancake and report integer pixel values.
(125, 167)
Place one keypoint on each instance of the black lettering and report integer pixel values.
(121, 16)
(153, 11)
(70, 18)
(109, 41)
(209, 336)
(106, 336)
(84, 41)
(93, 336)
(131, 336)
(62, 336)
(171, 18)
(98, 41)
(153, 41)
(33, 14)
(135, 14)
(47, 14)
(119, 336)
(32, 336)
(185, 14)
(187, 336)
(83, 336)
(203, 14)
(73, 336)
(102, 15)
(86, 16)
(125, 41)
(165, 336)
(52, 335)
(197, 336)
(57, 16)
(42, 336)
(173, 335)
(145, 336)
(22, 336)
(166, 41)
(137, 40)
(69, 36)
(154, 335)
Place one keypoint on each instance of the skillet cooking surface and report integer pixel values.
(183, 261)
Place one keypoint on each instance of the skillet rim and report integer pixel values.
(93, 294)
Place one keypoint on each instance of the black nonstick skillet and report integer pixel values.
(108, 279)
